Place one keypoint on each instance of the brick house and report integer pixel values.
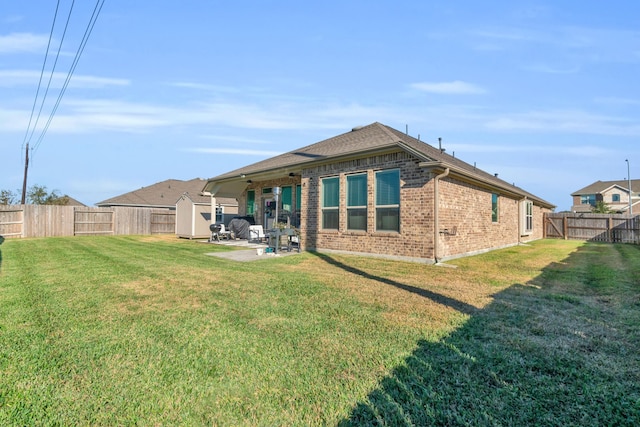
(614, 193)
(381, 192)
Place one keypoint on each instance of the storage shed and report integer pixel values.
(193, 215)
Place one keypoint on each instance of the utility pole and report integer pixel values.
(24, 182)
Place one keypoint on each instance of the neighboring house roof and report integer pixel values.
(73, 202)
(164, 194)
(372, 138)
(602, 186)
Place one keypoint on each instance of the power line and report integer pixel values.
(46, 55)
(85, 38)
(55, 63)
(83, 43)
(33, 108)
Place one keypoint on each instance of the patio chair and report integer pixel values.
(256, 233)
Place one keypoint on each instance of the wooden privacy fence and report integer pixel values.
(52, 221)
(609, 228)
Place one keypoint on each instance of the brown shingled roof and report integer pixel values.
(601, 186)
(164, 194)
(370, 138)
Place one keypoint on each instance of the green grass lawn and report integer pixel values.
(151, 331)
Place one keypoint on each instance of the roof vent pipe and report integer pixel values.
(442, 150)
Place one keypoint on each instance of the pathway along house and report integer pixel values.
(378, 191)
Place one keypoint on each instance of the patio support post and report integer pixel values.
(213, 209)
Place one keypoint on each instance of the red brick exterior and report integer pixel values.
(465, 213)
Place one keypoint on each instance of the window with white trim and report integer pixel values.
(588, 199)
(251, 200)
(494, 207)
(330, 203)
(286, 198)
(527, 217)
(357, 201)
(388, 200)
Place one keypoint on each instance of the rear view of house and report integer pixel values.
(377, 191)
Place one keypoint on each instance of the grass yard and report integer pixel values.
(150, 331)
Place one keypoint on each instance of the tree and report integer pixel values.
(38, 195)
(601, 207)
(8, 197)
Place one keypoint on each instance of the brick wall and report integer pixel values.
(467, 210)
(415, 239)
(464, 212)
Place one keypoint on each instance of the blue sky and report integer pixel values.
(544, 93)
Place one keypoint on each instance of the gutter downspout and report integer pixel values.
(436, 213)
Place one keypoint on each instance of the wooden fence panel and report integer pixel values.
(131, 221)
(11, 221)
(48, 221)
(163, 222)
(52, 220)
(608, 228)
(93, 221)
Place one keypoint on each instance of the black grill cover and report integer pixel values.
(240, 228)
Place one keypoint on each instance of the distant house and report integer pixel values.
(614, 193)
(72, 202)
(377, 191)
(193, 210)
(165, 194)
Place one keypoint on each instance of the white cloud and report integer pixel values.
(93, 115)
(456, 87)
(12, 78)
(205, 87)
(590, 151)
(232, 138)
(581, 43)
(240, 151)
(23, 42)
(551, 69)
(570, 121)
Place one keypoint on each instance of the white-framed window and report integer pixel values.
(331, 203)
(615, 197)
(494, 207)
(251, 202)
(357, 201)
(588, 199)
(526, 217)
(287, 198)
(388, 200)
(219, 214)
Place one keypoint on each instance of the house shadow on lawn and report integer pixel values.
(539, 354)
(435, 297)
